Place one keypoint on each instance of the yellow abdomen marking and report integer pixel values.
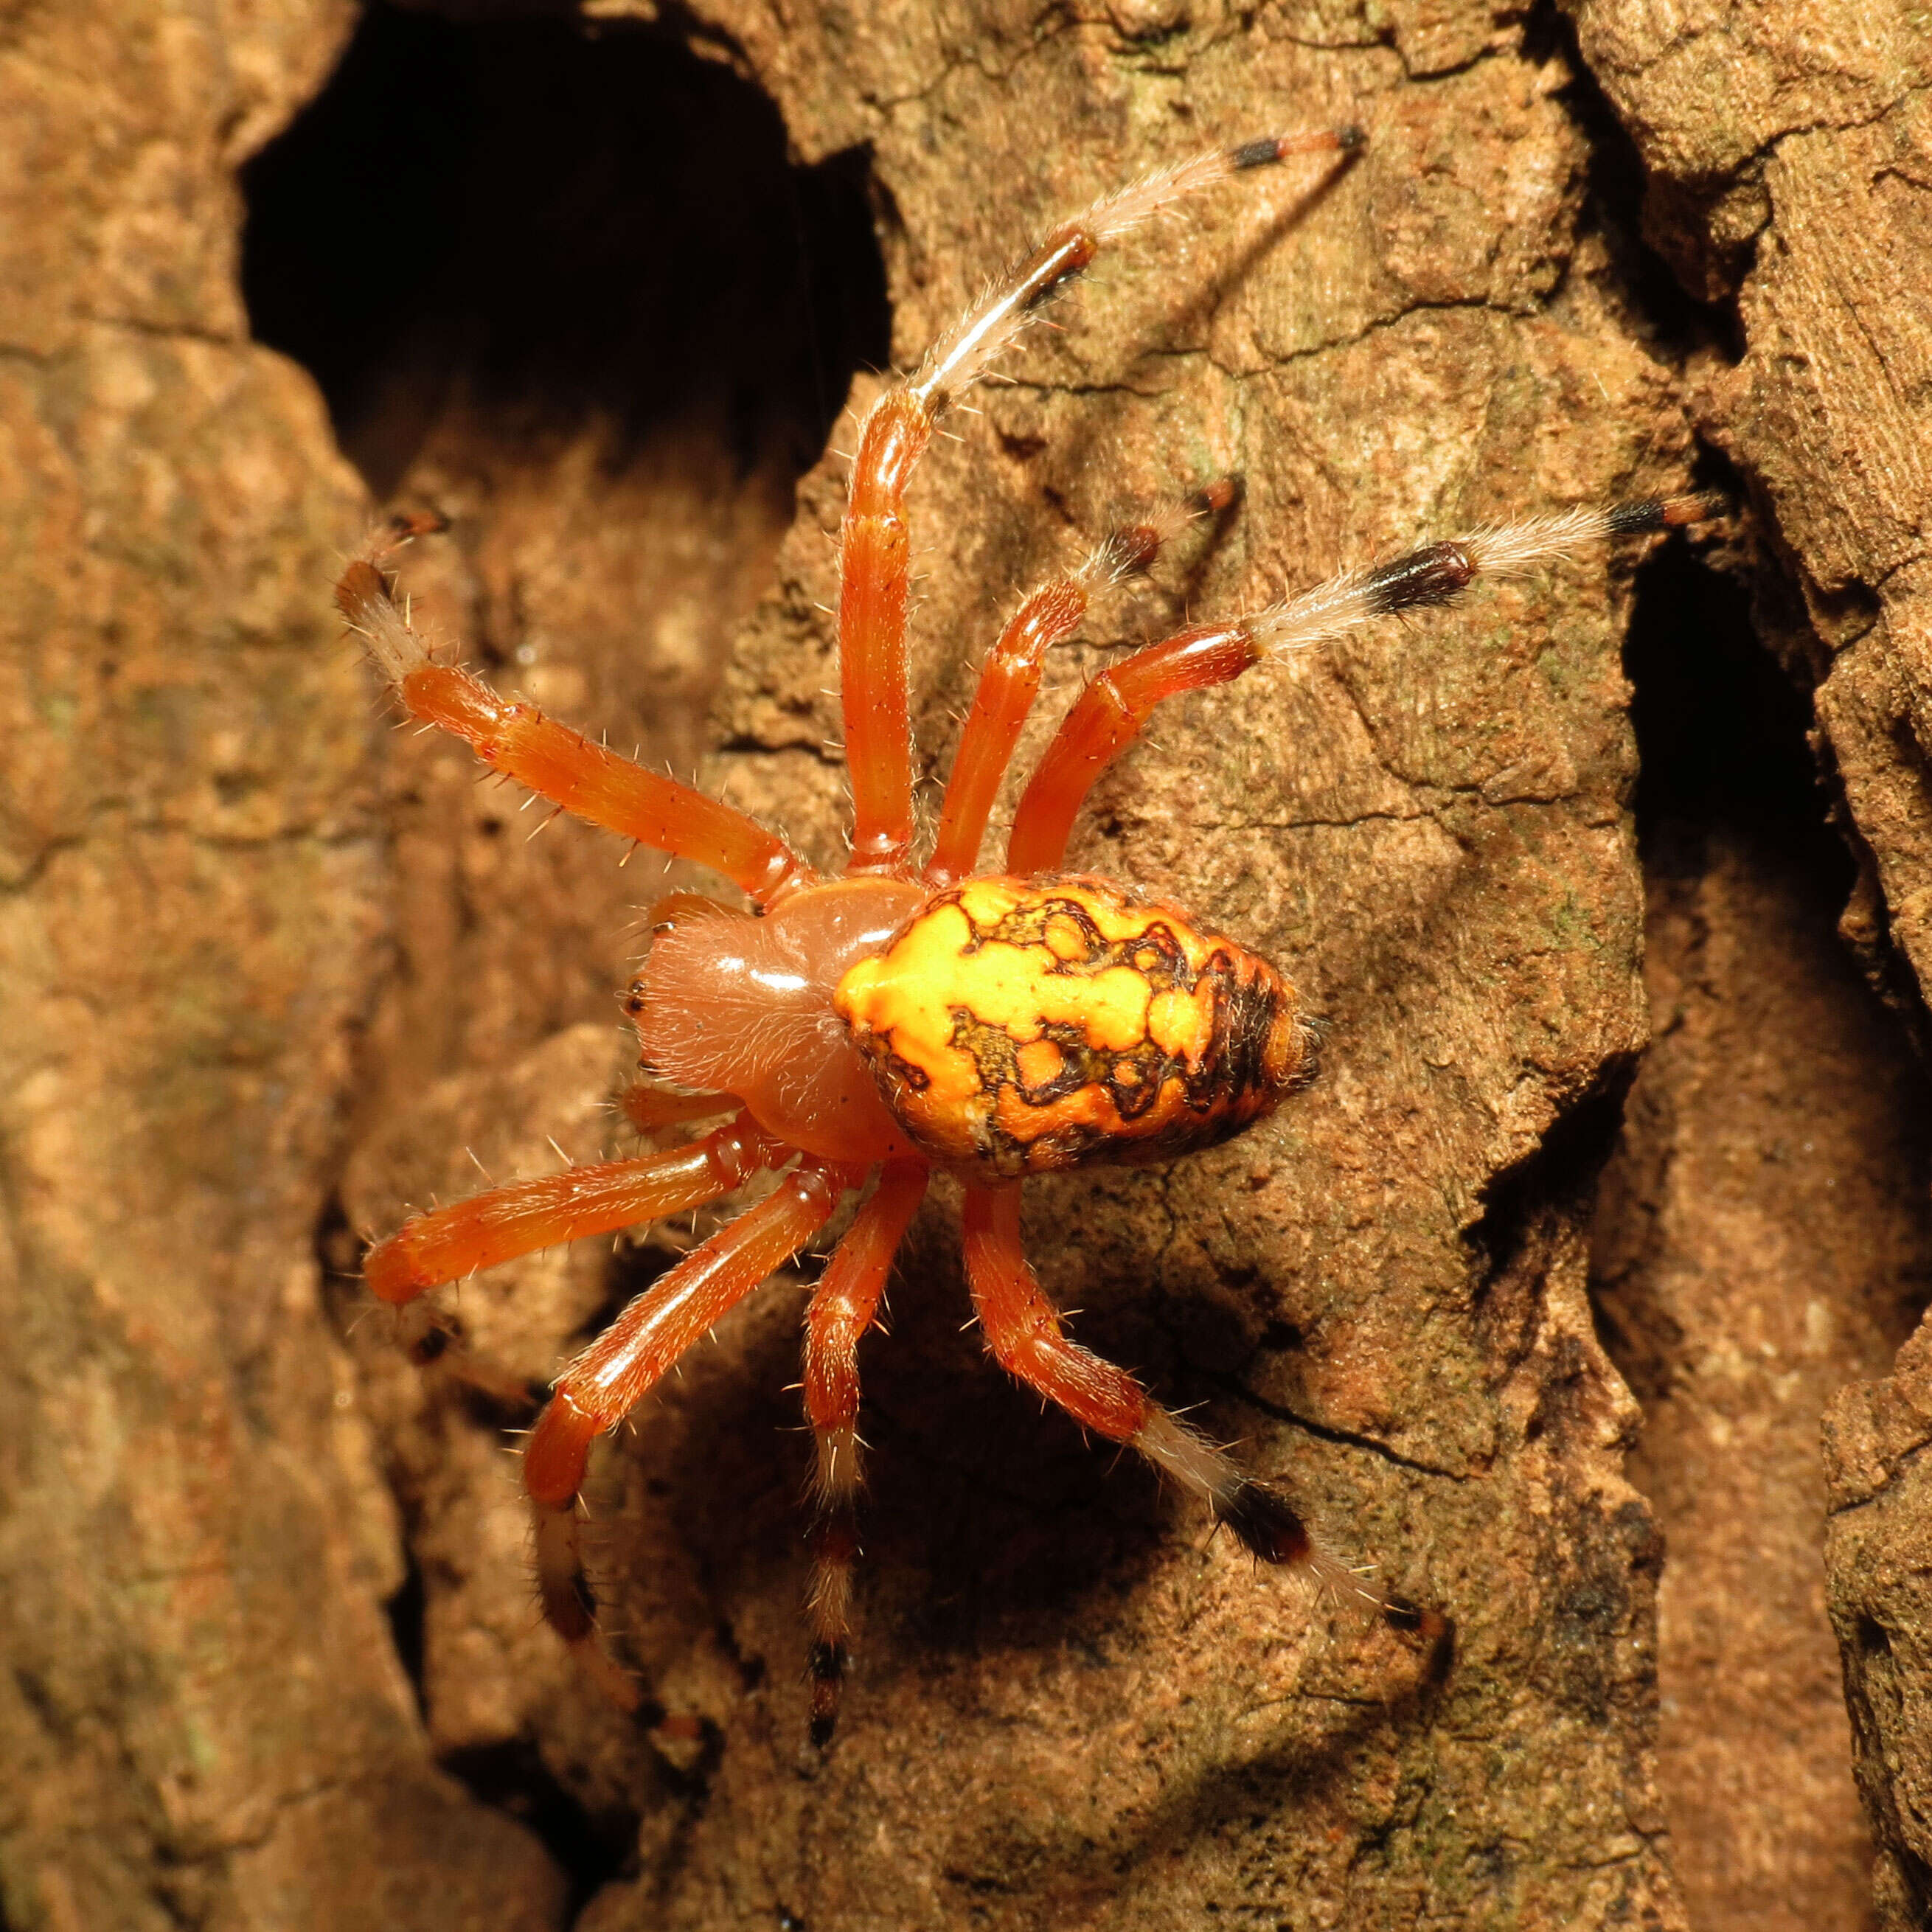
(1018, 1025)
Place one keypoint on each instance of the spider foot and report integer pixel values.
(1270, 1526)
(570, 1609)
(835, 1547)
(825, 1668)
(1429, 1631)
(1267, 1524)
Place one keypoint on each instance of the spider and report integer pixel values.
(852, 1035)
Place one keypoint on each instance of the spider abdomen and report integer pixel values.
(1017, 1026)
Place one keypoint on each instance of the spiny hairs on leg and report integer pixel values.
(362, 596)
(1129, 550)
(517, 739)
(844, 1307)
(1438, 573)
(993, 323)
(1111, 712)
(1025, 1334)
(1010, 677)
(1270, 1528)
(875, 545)
(603, 1383)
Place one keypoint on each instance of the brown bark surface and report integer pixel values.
(1788, 155)
(594, 281)
(203, 1716)
(1762, 1237)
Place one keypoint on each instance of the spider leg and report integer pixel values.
(607, 1381)
(875, 546)
(841, 1309)
(517, 1219)
(650, 1108)
(1009, 682)
(1023, 1332)
(554, 762)
(1108, 715)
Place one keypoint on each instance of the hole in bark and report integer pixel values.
(512, 1777)
(1762, 1237)
(1721, 733)
(405, 1611)
(1658, 304)
(569, 224)
(1873, 1640)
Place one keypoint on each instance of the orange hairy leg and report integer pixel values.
(1106, 718)
(452, 1242)
(1024, 1333)
(557, 763)
(649, 1108)
(1008, 686)
(1111, 712)
(601, 1386)
(875, 567)
(875, 551)
(842, 1307)
(1010, 680)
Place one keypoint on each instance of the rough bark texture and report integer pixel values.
(1806, 198)
(1762, 1237)
(204, 1719)
(268, 968)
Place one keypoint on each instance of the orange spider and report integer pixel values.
(862, 1031)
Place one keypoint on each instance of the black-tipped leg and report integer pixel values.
(1269, 1526)
(834, 1548)
(826, 1669)
(1429, 1631)
(1272, 148)
(1664, 513)
(1266, 1525)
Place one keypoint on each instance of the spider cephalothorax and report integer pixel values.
(855, 1034)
